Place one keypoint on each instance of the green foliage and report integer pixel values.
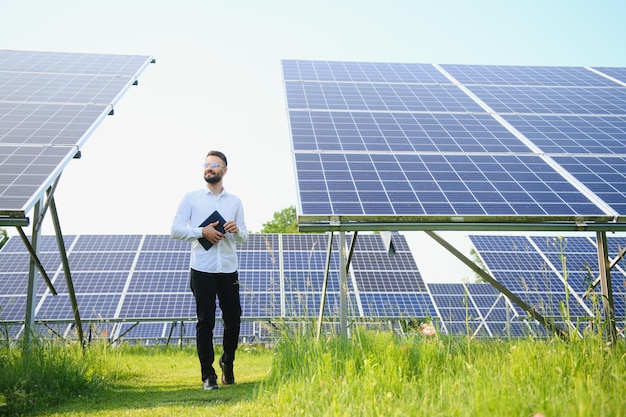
(284, 221)
(368, 374)
(45, 373)
(375, 374)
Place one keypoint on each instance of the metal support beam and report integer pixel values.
(343, 307)
(32, 250)
(31, 294)
(66, 267)
(607, 291)
(343, 285)
(549, 324)
(14, 221)
(320, 317)
(614, 261)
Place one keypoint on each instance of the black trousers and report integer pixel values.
(206, 287)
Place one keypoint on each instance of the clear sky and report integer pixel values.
(217, 84)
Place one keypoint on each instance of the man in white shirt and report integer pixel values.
(214, 270)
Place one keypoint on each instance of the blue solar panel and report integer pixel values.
(573, 134)
(163, 281)
(61, 88)
(415, 305)
(525, 75)
(12, 307)
(158, 306)
(101, 282)
(163, 261)
(549, 273)
(308, 305)
(378, 97)
(107, 243)
(366, 146)
(13, 283)
(261, 304)
(50, 103)
(605, 176)
(362, 72)
(95, 307)
(71, 63)
(164, 243)
(400, 132)
(23, 173)
(452, 185)
(553, 100)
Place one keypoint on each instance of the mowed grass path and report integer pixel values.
(155, 381)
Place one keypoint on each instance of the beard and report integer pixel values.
(213, 179)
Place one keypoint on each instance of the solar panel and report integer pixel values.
(70, 63)
(453, 143)
(438, 185)
(550, 272)
(50, 103)
(526, 75)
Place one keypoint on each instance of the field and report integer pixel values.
(369, 374)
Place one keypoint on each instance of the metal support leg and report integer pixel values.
(607, 291)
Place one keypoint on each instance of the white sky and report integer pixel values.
(217, 84)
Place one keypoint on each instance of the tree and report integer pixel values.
(284, 221)
(479, 262)
(3, 237)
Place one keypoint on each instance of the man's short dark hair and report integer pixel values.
(219, 155)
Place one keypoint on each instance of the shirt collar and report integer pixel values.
(208, 191)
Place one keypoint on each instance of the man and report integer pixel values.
(213, 270)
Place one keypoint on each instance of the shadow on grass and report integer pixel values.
(121, 397)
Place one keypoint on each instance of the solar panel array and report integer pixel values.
(50, 102)
(129, 279)
(454, 143)
(136, 286)
(553, 274)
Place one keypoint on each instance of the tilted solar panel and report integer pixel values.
(455, 143)
(50, 103)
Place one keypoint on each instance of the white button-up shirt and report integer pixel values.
(195, 207)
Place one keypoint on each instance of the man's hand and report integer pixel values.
(231, 227)
(211, 234)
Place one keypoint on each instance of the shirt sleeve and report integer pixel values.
(242, 235)
(181, 229)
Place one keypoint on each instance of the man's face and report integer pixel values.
(214, 169)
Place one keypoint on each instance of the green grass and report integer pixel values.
(370, 374)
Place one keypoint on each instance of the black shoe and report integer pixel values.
(228, 378)
(210, 383)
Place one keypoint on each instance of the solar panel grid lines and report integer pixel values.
(553, 100)
(512, 75)
(71, 63)
(48, 124)
(26, 172)
(566, 135)
(61, 88)
(604, 176)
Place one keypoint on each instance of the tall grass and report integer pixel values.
(376, 374)
(45, 373)
(368, 374)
